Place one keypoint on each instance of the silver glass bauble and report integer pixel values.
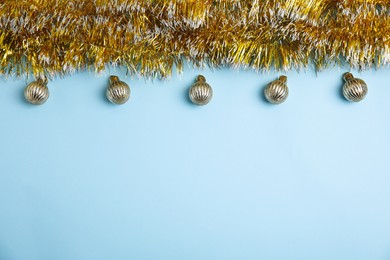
(277, 91)
(118, 92)
(354, 89)
(37, 92)
(200, 93)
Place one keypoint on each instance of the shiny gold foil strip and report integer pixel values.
(151, 38)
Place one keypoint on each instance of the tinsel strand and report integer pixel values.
(150, 38)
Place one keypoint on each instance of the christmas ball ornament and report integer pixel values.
(118, 92)
(354, 89)
(200, 93)
(37, 92)
(277, 91)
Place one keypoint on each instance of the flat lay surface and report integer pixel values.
(160, 178)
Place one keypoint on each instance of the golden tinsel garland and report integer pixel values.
(151, 37)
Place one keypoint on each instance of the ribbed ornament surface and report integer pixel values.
(200, 93)
(36, 93)
(118, 92)
(276, 92)
(355, 90)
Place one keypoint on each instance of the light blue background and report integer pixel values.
(159, 178)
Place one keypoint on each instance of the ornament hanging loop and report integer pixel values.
(200, 78)
(283, 79)
(113, 79)
(43, 80)
(348, 76)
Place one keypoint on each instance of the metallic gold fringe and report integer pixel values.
(151, 37)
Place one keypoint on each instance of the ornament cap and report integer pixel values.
(113, 79)
(42, 80)
(283, 79)
(348, 76)
(200, 78)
